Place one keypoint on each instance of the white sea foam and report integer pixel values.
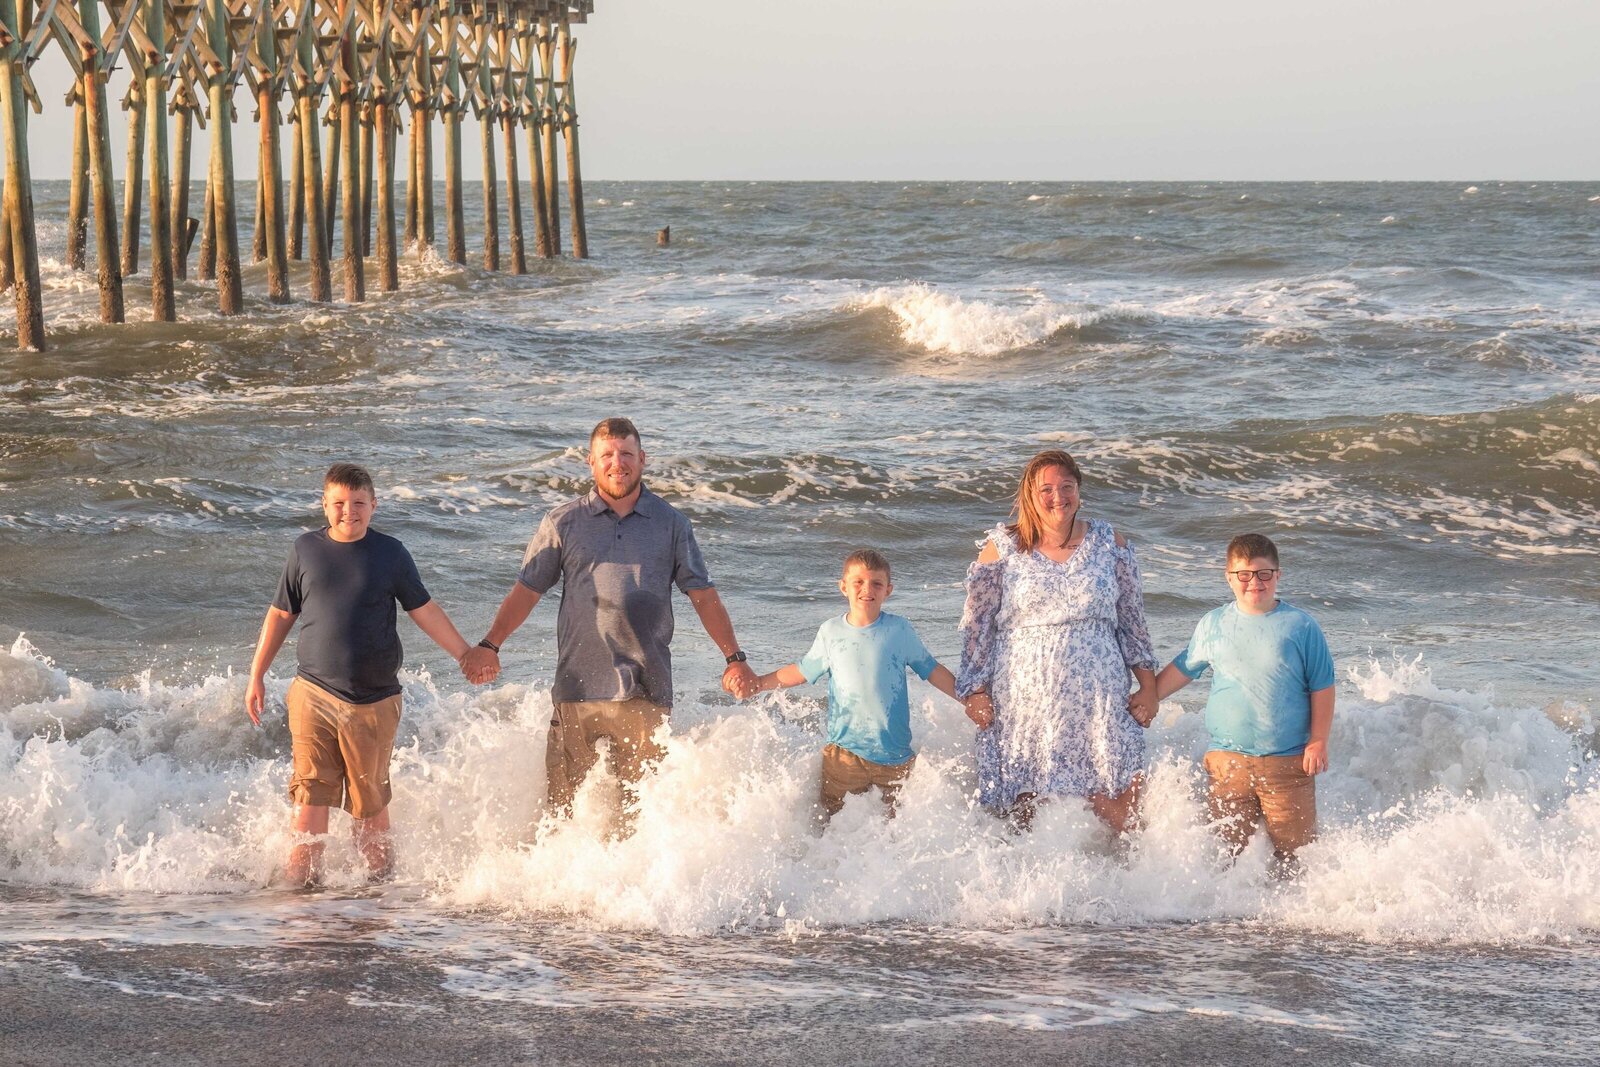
(1445, 816)
(941, 322)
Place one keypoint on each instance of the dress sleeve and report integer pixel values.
(1133, 633)
(980, 622)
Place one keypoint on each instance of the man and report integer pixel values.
(617, 552)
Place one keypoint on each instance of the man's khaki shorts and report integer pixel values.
(844, 772)
(576, 727)
(341, 750)
(1274, 789)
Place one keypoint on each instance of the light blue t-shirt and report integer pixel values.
(1264, 670)
(869, 711)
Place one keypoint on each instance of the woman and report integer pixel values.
(1053, 624)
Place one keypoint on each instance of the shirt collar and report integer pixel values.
(646, 505)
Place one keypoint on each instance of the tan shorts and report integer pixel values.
(844, 772)
(575, 729)
(341, 750)
(1274, 789)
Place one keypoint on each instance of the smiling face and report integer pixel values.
(1253, 594)
(617, 464)
(1055, 498)
(348, 511)
(866, 590)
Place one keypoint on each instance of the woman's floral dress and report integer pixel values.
(1052, 644)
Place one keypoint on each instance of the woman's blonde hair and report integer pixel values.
(1029, 526)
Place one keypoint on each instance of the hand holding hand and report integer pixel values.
(980, 709)
(1143, 705)
(1315, 760)
(480, 665)
(255, 699)
(740, 680)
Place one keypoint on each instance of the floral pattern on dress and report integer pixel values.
(1052, 643)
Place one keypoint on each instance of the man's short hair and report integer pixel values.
(1252, 546)
(615, 428)
(349, 476)
(869, 558)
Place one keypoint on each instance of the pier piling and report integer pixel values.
(344, 66)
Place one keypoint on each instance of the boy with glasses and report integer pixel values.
(1270, 708)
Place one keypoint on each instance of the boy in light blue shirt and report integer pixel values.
(865, 654)
(1271, 703)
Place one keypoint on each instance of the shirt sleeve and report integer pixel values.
(1133, 633)
(688, 565)
(408, 587)
(918, 658)
(541, 563)
(1191, 661)
(815, 663)
(980, 626)
(1318, 660)
(290, 595)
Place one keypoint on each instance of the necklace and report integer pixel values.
(1072, 528)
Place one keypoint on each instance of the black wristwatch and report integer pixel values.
(490, 645)
(738, 657)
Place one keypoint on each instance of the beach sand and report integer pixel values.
(308, 1014)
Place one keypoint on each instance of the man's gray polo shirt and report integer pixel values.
(616, 575)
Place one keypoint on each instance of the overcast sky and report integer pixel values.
(1064, 89)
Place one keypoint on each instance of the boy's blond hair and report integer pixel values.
(869, 558)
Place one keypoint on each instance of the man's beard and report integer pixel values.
(605, 489)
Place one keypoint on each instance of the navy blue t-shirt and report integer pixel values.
(345, 593)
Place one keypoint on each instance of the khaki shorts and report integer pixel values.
(577, 726)
(844, 772)
(1274, 789)
(341, 750)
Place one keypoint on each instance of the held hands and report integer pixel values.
(741, 681)
(1315, 760)
(480, 665)
(980, 709)
(1143, 705)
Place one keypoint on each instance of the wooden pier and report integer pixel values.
(338, 78)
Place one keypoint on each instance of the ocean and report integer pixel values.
(1399, 383)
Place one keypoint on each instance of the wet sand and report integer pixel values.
(104, 1003)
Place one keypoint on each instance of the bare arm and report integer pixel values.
(431, 620)
(1145, 701)
(782, 678)
(1170, 680)
(514, 611)
(480, 664)
(945, 682)
(274, 629)
(739, 679)
(1315, 760)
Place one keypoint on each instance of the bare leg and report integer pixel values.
(375, 845)
(1023, 809)
(1121, 812)
(305, 859)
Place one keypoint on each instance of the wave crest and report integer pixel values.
(940, 322)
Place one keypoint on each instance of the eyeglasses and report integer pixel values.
(1260, 576)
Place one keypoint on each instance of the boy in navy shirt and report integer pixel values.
(342, 582)
(865, 653)
(1271, 703)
